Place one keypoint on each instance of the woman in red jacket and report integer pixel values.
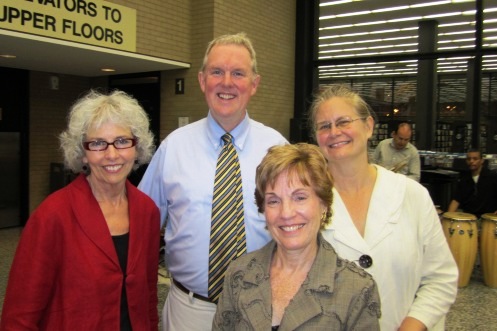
(88, 256)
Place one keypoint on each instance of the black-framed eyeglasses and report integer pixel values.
(102, 145)
(341, 124)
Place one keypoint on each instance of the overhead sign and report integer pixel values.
(94, 22)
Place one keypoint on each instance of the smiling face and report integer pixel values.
(228, 83)
(111, 166)
(293, 213)
(351, 140)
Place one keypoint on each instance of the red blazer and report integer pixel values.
(66, 274)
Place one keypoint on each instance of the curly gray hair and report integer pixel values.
(95, 109)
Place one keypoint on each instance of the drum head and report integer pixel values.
(489, 217)
(457, 216)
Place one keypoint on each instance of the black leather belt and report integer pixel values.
(187, 291)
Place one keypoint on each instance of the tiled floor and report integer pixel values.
(474, 310)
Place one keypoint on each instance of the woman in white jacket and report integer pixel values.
(384, 221)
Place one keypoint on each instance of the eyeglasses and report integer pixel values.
(102, 145)
(341, 124)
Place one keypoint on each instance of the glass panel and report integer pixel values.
(371, 28)
(489, 63)
(373, 46)
(493, 96)
(389, 97)
(489, 34)
(404, 97)
(346, 82)
(451, 96)
(489, 95)
(377, 93)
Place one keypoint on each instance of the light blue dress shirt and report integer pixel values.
(180, 179)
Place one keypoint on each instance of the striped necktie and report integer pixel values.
(227, 240)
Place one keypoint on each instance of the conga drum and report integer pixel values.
(461, 232)
(488, 249)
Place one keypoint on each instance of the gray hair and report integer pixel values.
(240, 39)
(95, 109)
(340, 91)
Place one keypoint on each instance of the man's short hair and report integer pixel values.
(474, 150)
(401, 125)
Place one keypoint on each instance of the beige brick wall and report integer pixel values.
(192, 103)
(271, 27)
(177, 30)
(163, 27)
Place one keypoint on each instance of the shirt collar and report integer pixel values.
(239, 133)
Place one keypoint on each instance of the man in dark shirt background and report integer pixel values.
(476, 191)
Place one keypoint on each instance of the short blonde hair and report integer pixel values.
(302, 161)
(361, 107)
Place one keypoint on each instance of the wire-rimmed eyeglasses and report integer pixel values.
(341, 124)
(102, 145)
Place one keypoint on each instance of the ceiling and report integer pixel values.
(356, 29)
(64, 57)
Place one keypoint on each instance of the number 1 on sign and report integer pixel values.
(180, 86)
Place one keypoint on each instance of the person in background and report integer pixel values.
(476, 191)
(398, 154)
(296, 281)
(181, 176)
(88, 256)
(383, 220)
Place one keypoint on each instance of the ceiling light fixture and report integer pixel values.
(338, 2)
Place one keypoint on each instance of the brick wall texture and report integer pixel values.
(180, 31)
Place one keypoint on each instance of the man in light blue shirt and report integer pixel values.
(180, 178)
